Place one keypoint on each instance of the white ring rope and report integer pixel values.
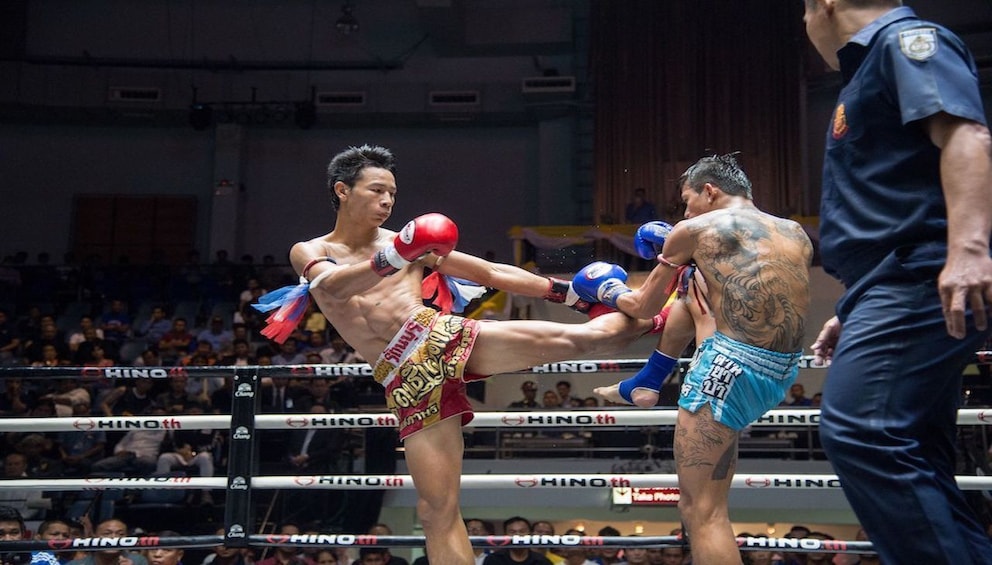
(583, 366)
(488, 481)
(748, 543)
(517, 419)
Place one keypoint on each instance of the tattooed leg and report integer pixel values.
(706, 458)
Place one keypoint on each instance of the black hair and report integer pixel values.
(348, 165)
(486, 524)
(11, 514)
(43, 527)
(508, 521)
(329, 550)
(609, 531)
(719, 170)
(536, 522)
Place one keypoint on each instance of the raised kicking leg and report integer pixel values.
(502, 347)
(644, 387)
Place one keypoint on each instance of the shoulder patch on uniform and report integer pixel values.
(918, 44)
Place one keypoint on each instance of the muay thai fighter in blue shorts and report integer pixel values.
(755, 271)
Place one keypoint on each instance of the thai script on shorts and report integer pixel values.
(721, 374)
(421, 415)
(416, 383)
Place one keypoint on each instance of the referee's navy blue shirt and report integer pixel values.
(881, 174)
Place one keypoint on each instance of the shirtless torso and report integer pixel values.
(374, 307)
(756, 270)
(366, 320)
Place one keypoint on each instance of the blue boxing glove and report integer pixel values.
(650, 238)
(601, 282)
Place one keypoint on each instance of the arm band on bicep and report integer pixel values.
(316, 280)
(314, 261)
(667, 263)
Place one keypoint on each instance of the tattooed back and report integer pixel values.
(756, 268)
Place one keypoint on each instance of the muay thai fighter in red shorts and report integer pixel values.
(367, 282)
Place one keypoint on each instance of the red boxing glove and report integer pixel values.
(430, 233)
(561, 292)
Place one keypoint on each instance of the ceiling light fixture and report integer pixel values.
(347, 23)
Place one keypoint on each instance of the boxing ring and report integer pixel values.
(243, 422)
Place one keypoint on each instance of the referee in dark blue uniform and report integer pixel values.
(905, 222)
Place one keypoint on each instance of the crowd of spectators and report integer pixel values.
(13, 527)
(94, 315)
(155, 452)
(196, 314)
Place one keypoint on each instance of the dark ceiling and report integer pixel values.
(231, 46)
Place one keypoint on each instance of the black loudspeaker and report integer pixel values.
(306, 115)
(200, 116)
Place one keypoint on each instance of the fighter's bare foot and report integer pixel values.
(643, 388)
(641, 397)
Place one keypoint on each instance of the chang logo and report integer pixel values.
(245, 390)
(241, 432)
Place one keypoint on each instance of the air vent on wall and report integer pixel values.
(134, 94)
(454, 98)
(552, 84)
(340, 99)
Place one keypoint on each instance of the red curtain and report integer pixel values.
(675, 80)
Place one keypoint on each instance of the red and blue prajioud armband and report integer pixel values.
(450, 294)
(287, 305)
